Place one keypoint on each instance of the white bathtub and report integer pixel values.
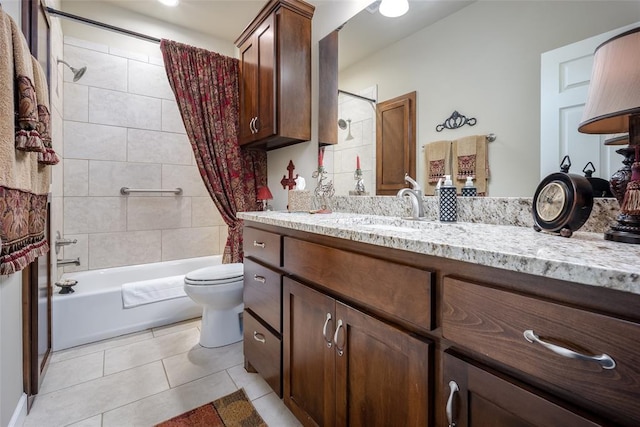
(95, 311)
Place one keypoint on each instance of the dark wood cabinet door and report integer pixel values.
(265, 39)
(248, 89)
(485, 398)
(309, 369)
(382, 374)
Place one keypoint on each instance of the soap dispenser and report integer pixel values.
(469, 190)
(448, 201)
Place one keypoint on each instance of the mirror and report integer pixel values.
(479, 58)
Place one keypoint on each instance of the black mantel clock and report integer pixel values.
(562, 203)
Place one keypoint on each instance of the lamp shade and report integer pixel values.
(264, 193)
(614, 91)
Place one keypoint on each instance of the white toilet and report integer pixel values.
(218, 289)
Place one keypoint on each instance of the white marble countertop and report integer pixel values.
(584, 258)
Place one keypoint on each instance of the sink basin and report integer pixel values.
(381, 223)
(389, 227)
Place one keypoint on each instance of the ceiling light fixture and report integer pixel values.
(171, 3)
(393, 8)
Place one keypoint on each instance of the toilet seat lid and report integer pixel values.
(216, 274)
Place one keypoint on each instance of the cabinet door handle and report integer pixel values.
(259, 337)
(251, 125)
(260, 279)
(255, 125)
(603, 359)
(453, 386)
(339, 349)
(258, 244)
(324, 330)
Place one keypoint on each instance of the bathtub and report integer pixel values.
(95, 311)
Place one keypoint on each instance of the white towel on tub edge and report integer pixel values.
(154, 290)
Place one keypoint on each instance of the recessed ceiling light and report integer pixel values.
(394, 8)
(169, 2)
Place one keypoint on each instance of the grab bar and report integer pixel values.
(61, 262)
(126, 190)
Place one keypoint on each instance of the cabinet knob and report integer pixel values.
(259, 337)
(453, 386)
(258, 244)
(324, 330)
(603, 360)
(260, 279)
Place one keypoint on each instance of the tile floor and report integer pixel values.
(145, 378)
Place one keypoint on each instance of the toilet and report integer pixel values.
(218, 289)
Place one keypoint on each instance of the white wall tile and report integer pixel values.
(204, 212)
(106, 178)
(128, 54)
(94, 142)
(80, 249)
(86, 44)
(94, 214)
(76, 173)
(190, 242)
(122, 109)
(224, 234)
(103, 70)
(186, 177)
(153, 213)
(158, 147)
(150, 80)
(171, 119)
(76, 102)
(156, 60)
(127, 248)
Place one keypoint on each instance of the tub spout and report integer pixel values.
(62, 262)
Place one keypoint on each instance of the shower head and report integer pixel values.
(77, 72)
(342, 124)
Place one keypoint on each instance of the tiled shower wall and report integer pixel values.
(341, 158)
(122, 128)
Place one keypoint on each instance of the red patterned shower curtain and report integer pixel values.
(205, 85)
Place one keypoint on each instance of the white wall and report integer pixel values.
(10, 316)
(484, 61)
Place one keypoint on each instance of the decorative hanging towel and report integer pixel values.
(438, 163)
(27, 136)
(47, 156)
(23, 183)
(470, 158)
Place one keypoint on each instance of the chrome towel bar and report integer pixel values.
(126, 190)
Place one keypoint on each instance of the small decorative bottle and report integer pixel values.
(448, 201)
(469, 190)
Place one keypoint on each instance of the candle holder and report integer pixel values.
(323, 191)
(357, 175)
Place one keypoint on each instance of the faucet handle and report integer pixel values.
(414, 184)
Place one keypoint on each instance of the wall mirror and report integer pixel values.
(482, 59)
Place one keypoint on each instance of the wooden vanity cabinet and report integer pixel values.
(262, 296)
(275, 76)
(343, 367)
(478, 396)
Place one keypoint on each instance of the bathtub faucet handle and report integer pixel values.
(63, 242)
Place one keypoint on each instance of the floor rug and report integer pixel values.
(233, 410)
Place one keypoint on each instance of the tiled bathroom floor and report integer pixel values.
(145, 378)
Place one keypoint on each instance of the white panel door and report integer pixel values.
(564, 80)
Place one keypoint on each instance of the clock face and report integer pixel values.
(551, 201)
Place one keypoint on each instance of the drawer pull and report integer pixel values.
(453, 386)
(335, 339)
(260, 279)
(603, 359)
(324, 331)
(259, 337)
(258, 244)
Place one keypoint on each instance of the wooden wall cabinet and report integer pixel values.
(343, 367)
(275, 76)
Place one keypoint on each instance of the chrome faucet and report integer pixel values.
(61, 262)
(63, 242)
(415, 195)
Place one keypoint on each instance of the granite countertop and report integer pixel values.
(584, 258)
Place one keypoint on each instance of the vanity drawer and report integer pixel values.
(263, 245)
(263, 293)
(402, 291)
(263, 350)
(493, 322)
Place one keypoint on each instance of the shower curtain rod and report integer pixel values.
(357, 96)
(102, 25)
